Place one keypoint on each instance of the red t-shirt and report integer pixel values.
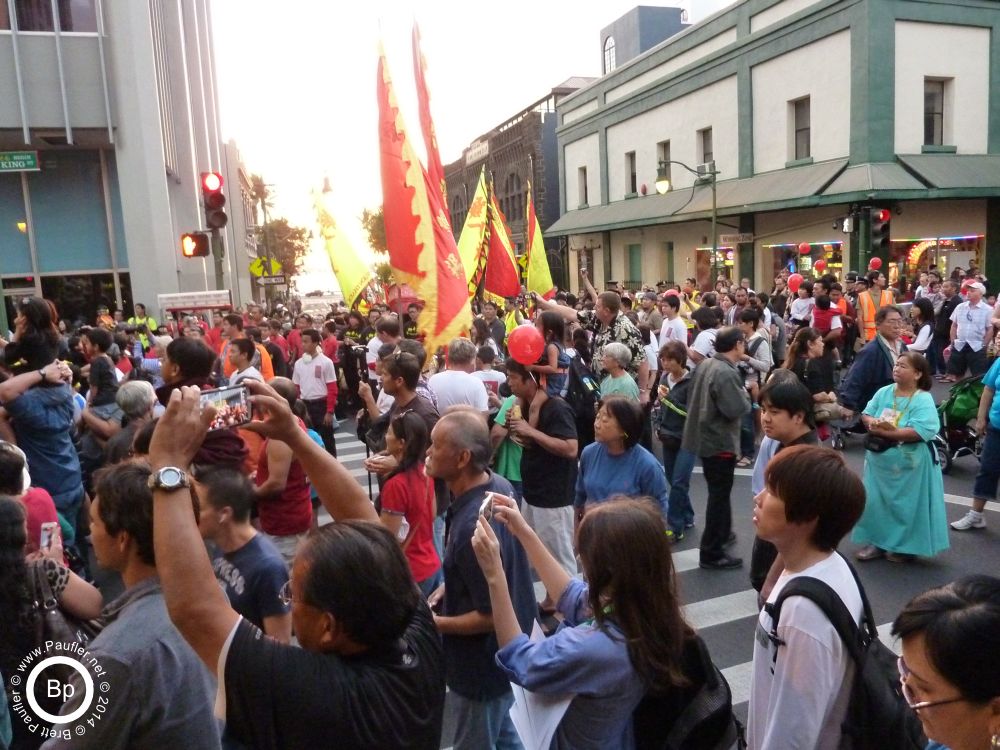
(412, 494)
(214, 338)
(279, 341)
(40, 509)
(290, 512)
(294, 345)
(331, 348)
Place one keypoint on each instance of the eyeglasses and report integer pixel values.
(968, 316)
(909, 697)
(285, 593)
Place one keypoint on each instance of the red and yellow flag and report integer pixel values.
(422, 248)
(502, 278)
(434, 168)
(538, 278)
(472, 242)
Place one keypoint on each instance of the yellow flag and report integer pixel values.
(352, 273)
(538, 277)
(472, 241)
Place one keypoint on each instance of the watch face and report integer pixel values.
(170, 477)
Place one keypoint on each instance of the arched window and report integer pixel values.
(609, 54)
(513, 198)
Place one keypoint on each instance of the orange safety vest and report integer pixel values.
(867, 310)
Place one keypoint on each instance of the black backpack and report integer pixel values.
(691, 719)
(878, 717)
(582, 389)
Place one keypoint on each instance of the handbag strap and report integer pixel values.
(42, 589)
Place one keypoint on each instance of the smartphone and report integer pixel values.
(486, 509)
(50, 533)
(232, 406)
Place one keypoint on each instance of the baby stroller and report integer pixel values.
(957, 437)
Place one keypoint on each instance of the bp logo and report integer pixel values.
(59, 690)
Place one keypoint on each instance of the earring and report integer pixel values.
(995, 741)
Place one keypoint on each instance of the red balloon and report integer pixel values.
(804, 248)
(875, 264)
(793, 282)
(819, 265)
(525, 344)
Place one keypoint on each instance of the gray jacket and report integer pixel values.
(716, 405)
(155, 691)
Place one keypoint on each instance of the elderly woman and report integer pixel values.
(950, 665)
(137, 400)
(616, 464)
(904, 514)
(617, 382)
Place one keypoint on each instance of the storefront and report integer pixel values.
(911, 257)
(710, 266)
(789, 256)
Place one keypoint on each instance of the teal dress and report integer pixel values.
(904, 508)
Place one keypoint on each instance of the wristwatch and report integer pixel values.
(168, 479)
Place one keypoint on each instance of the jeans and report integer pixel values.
(485, 725)
(317, 412)
(985, 487)
(939, 345)
(678, 465)
(430, 584)
(747, 434)
(719, 471)
(439, 536)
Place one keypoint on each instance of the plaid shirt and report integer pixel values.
(621, 330)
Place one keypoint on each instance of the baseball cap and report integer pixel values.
(976, 285)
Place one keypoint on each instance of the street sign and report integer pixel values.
(271, 280)
(257, 267)
(210, 300)
(735, 239)
(18, 161)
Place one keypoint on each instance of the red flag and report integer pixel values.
(422, 248)
(402, 175)
(502, 277)
(434, 168)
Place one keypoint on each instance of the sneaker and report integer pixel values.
(725, 562)
(675, 536)
(970, 520)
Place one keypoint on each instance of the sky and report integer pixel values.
(296, 84)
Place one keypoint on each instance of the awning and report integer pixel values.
(875, 176)
(956, 171)
(733, 197)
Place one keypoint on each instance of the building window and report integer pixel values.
(663, 157)
(705, 152)
(801, 129)
(457, 212)
(634, 265)
(631, 181)
(77, 15)
(934, 89)
(609, 54)
(512, 198)
(581, 183)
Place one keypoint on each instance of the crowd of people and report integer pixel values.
(245, 622)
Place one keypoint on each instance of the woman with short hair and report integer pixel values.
(949, 669)
(615, 463)
(615, 358)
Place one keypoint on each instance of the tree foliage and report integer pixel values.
(287, 244)
(374, 224)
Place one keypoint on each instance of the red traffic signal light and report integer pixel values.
(879, 228)
(195, 245)
(213, 200)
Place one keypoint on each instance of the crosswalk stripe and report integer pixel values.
(721, 609)
(348, 457)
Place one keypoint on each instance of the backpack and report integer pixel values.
(582, 389)
(706, 721)
(877, 717)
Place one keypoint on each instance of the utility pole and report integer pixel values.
(218, 253)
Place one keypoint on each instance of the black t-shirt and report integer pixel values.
(252, 577)
(472, 670)
(548, 479)
(283, 697)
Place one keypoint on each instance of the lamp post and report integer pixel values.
(707, 175)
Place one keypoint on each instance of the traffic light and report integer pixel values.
(195, 245)
(214, 200)
(878, 230)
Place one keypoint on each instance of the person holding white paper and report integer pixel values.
(622, 636)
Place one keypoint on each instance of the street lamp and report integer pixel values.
(705, 174)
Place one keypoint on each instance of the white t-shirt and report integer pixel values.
(251, 373)
(803, 702)
(801, 308)
(704, 344)
(673, 330)
(311, 374)
(491, 378)
(372, 357)
(456, 387)
(384, 402)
